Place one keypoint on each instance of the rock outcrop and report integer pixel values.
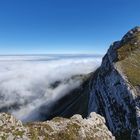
(115, 87)
(11, 128)
(75, 128)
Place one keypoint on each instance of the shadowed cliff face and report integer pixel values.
(116, 87)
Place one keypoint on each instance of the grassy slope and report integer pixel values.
(129, 59)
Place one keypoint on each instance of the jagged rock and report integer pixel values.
(11, 128)
(75, 128)
(115, 87)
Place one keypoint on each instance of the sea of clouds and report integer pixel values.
(25, 81)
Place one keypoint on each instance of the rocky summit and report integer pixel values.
(75, 128)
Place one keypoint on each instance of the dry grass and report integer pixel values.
(129, 58)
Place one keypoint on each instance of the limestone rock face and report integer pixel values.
(75, 128)
(115, 87)
(11, 129)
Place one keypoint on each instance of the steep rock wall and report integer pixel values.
(115, 89)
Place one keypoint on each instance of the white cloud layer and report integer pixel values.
(25, 80)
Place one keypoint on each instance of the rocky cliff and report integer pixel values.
(75, 128)
(115, 87)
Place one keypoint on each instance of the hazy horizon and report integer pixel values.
(51, 54)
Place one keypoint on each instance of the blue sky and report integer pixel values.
(64, 26)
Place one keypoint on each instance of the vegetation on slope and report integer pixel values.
(129, 56)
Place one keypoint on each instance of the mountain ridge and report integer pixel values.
(114, 93)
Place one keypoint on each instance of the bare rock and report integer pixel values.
(11, 128)
(75, 128)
